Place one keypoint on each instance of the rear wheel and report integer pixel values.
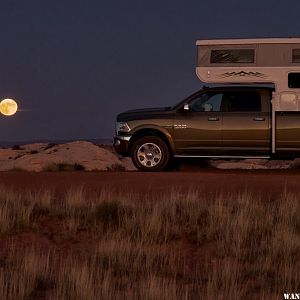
(150, 153)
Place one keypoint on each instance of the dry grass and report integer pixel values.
(172, 246)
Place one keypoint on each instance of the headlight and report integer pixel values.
(122, 127)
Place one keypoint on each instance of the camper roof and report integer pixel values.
(249, 41)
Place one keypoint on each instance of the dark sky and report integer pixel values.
(73, 65)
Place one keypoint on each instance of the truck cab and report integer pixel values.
(213, 122)
(224, 121)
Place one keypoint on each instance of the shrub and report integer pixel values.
(54, 167)
(17, 169)
(49, 146)
(16, 147)
(109, 213)
(18, 156)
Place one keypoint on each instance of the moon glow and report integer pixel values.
(8, 107)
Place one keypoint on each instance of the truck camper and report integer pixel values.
(254, 113)
(255, 61)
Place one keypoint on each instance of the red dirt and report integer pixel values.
(266, 183)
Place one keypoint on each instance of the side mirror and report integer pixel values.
(186, 107)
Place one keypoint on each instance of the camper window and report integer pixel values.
(227, 56)
(294, 80)
(296, 55)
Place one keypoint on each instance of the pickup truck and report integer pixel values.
(218, 122)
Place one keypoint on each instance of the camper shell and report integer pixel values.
(273, 61)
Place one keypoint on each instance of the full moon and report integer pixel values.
(8, 107)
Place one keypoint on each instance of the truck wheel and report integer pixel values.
(150, 153)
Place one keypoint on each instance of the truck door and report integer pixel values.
(198, 131)
(246, 123)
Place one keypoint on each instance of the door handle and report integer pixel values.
(213, 119)
(259, 119)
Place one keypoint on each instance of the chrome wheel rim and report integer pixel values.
(149, 155)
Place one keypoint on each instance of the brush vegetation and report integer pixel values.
(80, 245)
(55, 167)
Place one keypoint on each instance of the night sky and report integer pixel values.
(73, 65)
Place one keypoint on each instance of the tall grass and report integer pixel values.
(172, 246)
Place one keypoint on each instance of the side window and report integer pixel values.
(206, 102)
(232, 56)
(296, 56)
(294, 80)
(241, 101)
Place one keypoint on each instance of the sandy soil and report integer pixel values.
(267, 183)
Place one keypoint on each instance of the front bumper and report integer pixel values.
(121, 144)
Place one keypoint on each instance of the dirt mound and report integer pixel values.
(47, 157)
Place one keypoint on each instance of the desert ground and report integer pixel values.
(72, 227)
(83, 155)
(265, 183)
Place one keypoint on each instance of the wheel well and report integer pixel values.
(149, 132)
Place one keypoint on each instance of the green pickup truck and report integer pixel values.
(218, 122)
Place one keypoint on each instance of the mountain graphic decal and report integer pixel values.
(242, 74)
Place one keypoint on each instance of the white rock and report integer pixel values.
(34, 157)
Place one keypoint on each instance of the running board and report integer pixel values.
(214, 156)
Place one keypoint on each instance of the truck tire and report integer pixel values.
(150, 153)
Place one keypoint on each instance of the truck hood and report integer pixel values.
(144, 113)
